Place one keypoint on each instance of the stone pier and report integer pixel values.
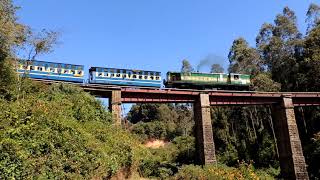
(292, 161)
(115, 106)
(203, 127)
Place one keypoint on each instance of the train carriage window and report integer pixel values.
(59, 66)
(73, 69)
(157, 75)
(134, 75)
(118, 73)
(129, 74)
(111, 73)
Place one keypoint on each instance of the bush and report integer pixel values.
(185, 146)
(150, 130)
(61, 132)
(160, 163)
(244, 171)
(312, 152)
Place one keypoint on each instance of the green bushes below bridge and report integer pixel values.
(59, 131)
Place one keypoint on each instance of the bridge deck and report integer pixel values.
(217, 97)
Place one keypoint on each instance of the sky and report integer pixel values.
(151, 34)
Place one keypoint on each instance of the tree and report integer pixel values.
(311, 65)
(216, 68)
(186, 66)
(177, 119)
(313, 16)
(243, 59)
(280, 46)
(38, 43)
(263, 82)
(12, 35)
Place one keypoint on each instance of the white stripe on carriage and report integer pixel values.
(79, 77)
(128, 81)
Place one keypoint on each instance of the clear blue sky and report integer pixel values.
(150, 34)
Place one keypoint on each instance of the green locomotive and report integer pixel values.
(196, 80)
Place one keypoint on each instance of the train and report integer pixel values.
(43, 70)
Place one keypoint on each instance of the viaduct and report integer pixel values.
(292, 161)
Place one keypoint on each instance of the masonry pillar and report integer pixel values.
(292, 162)
(115, 106)
(203, 130)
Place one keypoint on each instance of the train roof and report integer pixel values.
(133, 70)
(206, 73)
(51, 62)
(194, 72)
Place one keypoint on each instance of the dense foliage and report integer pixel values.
(60, 132)
(282, 60)
(243, 171)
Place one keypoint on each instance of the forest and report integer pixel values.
(61, 132)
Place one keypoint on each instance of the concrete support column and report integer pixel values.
(292, 162)
(203, 127)
(115, 106)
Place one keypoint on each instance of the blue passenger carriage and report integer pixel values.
(124, 77)
(51, 71)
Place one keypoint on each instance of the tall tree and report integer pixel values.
(243, 59)
(312, 60)
(12, 35)
(186, 66)
(313, 16)
(216, 68)
(281, 48)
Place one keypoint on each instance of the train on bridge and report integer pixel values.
(53, 71)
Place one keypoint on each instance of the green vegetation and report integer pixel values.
(282, 60)
(243, 171)
(61, 132)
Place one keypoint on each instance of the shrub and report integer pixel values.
(61, 132)
(244, 171)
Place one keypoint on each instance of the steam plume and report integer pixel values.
(209, 60)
